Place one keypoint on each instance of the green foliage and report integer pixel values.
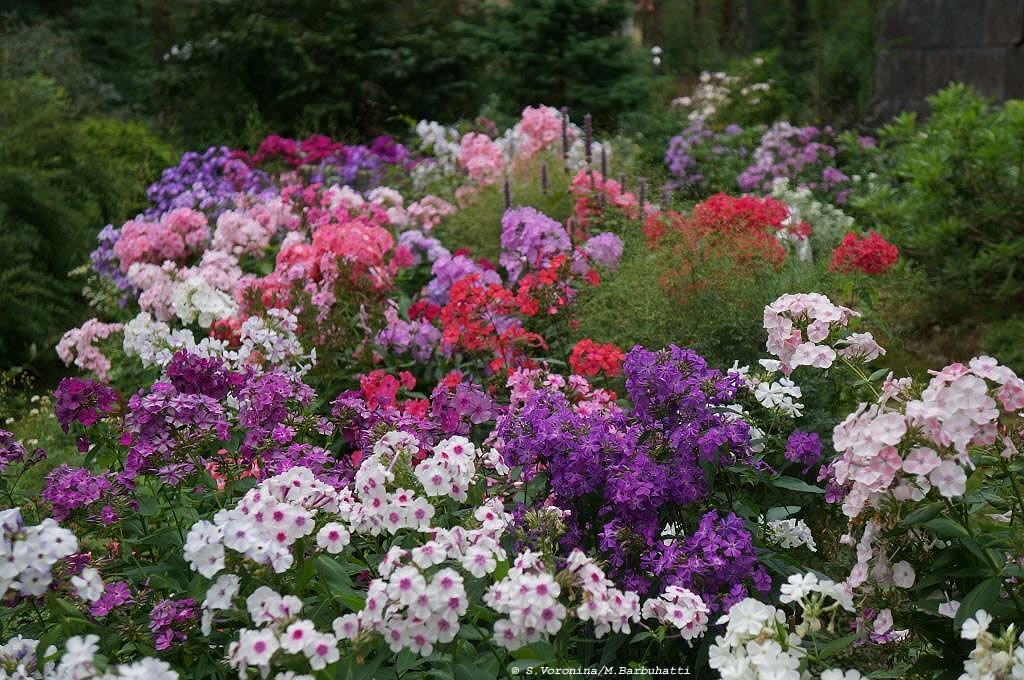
(59, 179)
(42, 48)
(825, 49)
(1003, 340)
(302, 66)
(567, 53)
(951, 194)
(118, 159)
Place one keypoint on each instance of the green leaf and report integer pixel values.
(922, 514)
(947, 528)
(983, 596)
(611, 648)
(475, 671)
(539, 651)
(836, 646)
(781, 512)
(166, 537)
(339, 583)
(794, 484)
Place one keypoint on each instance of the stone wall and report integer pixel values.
(926, 44)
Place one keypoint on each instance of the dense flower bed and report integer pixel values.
(317, 441)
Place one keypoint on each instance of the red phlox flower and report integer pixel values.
(871, 254)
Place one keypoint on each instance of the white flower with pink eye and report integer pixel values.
(297, 635)
(333, 537)
(254, 648)
(321, 650)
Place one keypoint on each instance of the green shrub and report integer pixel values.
(61, 179)
(119, 159)
(951, 195)
(567, 53)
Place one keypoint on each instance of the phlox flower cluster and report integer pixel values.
(83, 401)
(78, 346)
(154, 343)
(790, 533)
(169, 620)
(717, 561)
(327, 159)
(793, 152)
(411, 608)
(115, 594)
(70, 489)
(451, 469)
(540, 128)
(378, 509)
(206, 182)
(428, 212)
(803, 448)
(592, 193)
(481, 158)
(904, 450)
(77, 662)
(583, 397)
(442, 143)
(485, 319)
(815, 596)
(871, 254)
(163, 424)
(268, 341)
(449, 269)
(418, 337)
(421, 246)
(415, 607)
(281, 632)
(29, 553)
(529, 240)
(196, 301)
(797, 323)
(755, 644)
(361, 165)
(724, 237)
(717, 90)
(178, 234)
(11, 450)
(827, 221)
(596, 455)
(993, 656)
(604, 605)
(240, 233)
(680, 608)
(604, 250)
(681, 164)
(263, 525)
(589, 358)
(528, 598)
(781, 394)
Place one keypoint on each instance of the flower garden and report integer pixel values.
(421, 409)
